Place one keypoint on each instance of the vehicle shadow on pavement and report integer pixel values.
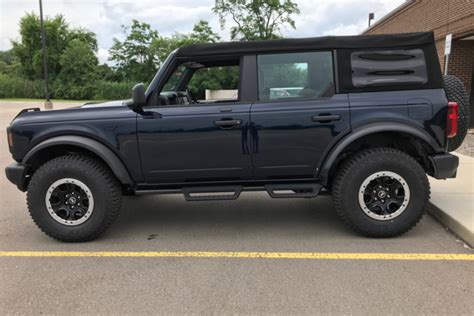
(254, 222)
(252, 213)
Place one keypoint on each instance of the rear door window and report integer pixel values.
(388, 67)
(306, 75)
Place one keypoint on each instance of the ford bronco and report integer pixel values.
(364, 118)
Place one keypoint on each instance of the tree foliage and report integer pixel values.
(78, 71)
(8, 63)
(134, 57)
(203, 33)
(73, 66)
(28, 50)
(215, 78)
(256, 19)
(139, 56)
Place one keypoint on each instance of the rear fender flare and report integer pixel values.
(368, 129)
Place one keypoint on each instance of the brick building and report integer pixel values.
(442, 17)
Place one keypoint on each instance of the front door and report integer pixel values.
(298, 114)
(194, 143)
(198, 129)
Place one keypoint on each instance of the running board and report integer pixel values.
(292, 190)
(232, 192)
(212, 193)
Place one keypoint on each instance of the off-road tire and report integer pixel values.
(352, 173)
(104, 187)
(456, 92)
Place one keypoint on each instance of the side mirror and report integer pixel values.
(138, 97)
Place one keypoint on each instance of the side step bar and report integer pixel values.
(302, 190)
(212, 193)
(232, 192)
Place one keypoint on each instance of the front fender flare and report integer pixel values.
(368, 129)
(107, 155)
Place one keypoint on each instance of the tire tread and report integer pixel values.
(103, 174)
(363, 157)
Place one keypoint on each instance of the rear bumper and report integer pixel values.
(444, 166)
(16, 173)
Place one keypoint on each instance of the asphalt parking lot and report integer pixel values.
(208, 284)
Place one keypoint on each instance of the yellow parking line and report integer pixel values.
(246, 255)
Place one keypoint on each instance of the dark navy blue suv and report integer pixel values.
(365, 118)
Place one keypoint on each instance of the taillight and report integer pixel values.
(10, 139)
(452, 126)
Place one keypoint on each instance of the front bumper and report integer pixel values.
(17, 174)
(444, 165)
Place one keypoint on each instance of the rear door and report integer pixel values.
(298, 114)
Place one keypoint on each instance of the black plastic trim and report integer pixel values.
(444, 166)
(368, 129)
(248, 79)
(97, 148)
(16, 174)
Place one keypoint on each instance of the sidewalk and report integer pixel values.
(452, 200)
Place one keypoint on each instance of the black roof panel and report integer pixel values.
(301, 44)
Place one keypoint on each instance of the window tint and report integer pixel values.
(388, 67)
(295, 76)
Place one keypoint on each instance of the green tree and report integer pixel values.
(8, 64)
(28, 49)
(78, 72)
(214, 78)
(203, 33)
(134, 57)
(256, 19)
(163, 46)
(84, 36)
(107, 73)
(139, 56)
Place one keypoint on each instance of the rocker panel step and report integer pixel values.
(299, 190)
(212, 193)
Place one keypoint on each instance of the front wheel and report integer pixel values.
(381, 192)
(74, 198)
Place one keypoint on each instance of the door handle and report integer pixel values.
(151, 115)
(324, 118)
(227, 123)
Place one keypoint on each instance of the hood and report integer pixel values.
(104, 104)
(83, 112)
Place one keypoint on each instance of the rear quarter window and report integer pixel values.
(373, 68)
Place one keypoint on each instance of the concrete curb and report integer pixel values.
(456, 227)
(452, 200)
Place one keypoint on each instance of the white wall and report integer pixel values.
(221, 94)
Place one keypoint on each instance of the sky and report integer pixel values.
(105, 17)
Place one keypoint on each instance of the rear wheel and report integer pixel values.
(74, 198)
(380, 192)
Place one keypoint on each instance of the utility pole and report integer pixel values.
(47, 104)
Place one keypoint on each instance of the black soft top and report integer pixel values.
(301, 44)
